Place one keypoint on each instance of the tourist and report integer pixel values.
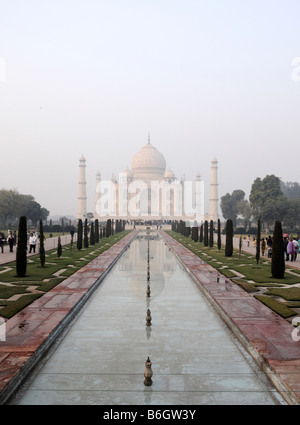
(2, 242)
(295, 242)
(290, 250)
(285, 244)
(32, 242)
(11, 242)
(263, 246)
(269, 241)
(248, 241)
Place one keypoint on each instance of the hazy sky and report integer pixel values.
(94, 77)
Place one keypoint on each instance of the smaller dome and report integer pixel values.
(169, 174)
(128, 173)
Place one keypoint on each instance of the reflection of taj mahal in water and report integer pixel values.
(150, 192)
(162, 265)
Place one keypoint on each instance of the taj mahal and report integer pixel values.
(149, 191)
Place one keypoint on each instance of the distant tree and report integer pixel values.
(21, 256)
(267, 201)
(205, 233)
(35, 212)
(42, 245)
(230, 205)
(277, 259)
(211, 233)
(240, 246)
(92, 235)
(219, 235)
(229, 238)
(195, 233)
(291, 190)
(79, 234)
(108, 228)
(101, 232)
(258, 237)
(96, 231)
(59, 247)
(291, 219)
(85, 235)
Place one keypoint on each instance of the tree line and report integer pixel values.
(270, 199)
(205, 234)
(86, 235)
(14, 205)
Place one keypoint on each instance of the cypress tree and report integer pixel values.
(240, 246)
(206, 233)
(219, 235)
(79, 235)
(101, 232)
(42, 245)
(229, 238)
(258, 242)
(195, 234)
(21, 255)
(108, 228)
(92, 235)
(201, 233)
(211, 234)
(85, 236)
(96, 231)
(277, 259)
(59, 247)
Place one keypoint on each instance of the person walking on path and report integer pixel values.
(263, 246)
(295, 242)
(11, 242)
(248, 240)
(290, 250)
(2, 242)
(32, 242)
(285, 244)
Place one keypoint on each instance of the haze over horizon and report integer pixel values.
(93, 77)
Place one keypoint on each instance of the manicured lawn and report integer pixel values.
(16, 293)
(280, 295)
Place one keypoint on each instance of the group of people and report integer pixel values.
(291, 246)
(11, 240)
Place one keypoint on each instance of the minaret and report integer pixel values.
(213, 200)
(97, 191)
(199, 196)
(81, 190)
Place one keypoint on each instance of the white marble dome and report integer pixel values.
(148, 164)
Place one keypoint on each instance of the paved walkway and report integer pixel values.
(50, 243)
(252, 250)
(265, 335)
